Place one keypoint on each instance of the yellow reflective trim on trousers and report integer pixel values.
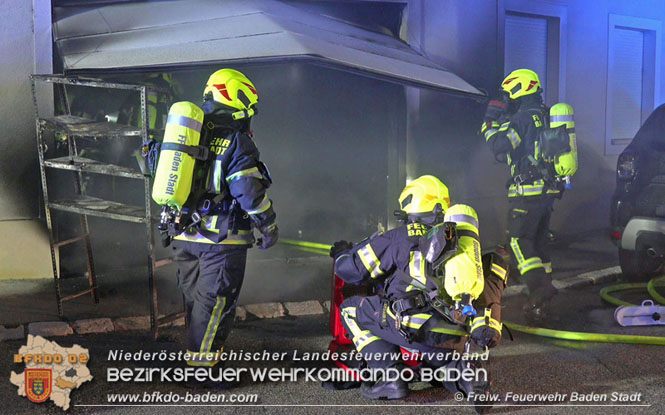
(499, 272)
(514, 244)
(504, 126)
(201, 361)
(351, 311)
(548, 267)
(216, 327)
(213, 323)
(370, 260)
(365, 339)
(417, 267)
(530, 264)
(263, 206)
(252, 172)
(199, 364)
(361, 338)
(353, 326)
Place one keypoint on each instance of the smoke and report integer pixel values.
(335, 145)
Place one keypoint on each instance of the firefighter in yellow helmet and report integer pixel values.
(433, 280)
(511, 127)
(228, 200)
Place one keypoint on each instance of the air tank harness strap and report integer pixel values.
(198, 152)
(216, 206)
(418, 302)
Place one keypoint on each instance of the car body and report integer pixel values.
(638, 206)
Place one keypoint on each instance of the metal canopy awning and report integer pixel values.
(177, 32)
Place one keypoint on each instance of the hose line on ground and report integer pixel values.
(604, 337)
(651, 288)
(586, 337)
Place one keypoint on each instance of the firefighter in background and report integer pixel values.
(402, 315)
(229, 199)
(158, 104)
(511, 127)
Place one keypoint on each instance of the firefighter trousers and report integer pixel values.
(528, 225)
(371, 326)
(210, 282)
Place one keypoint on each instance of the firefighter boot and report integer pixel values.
(385, 389)
(539, 306)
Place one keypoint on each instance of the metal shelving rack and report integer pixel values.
(85, 205)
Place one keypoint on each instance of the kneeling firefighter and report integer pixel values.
(433, 278)
(214, 193)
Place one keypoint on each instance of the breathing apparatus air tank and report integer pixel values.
(565, 164)
(173, 176)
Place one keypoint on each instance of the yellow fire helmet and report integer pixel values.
(423, 195)
(232, 89)
(521, 82)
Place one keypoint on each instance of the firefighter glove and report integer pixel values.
(485, 330)
(339, 247)
(269, 236)
(496, 109)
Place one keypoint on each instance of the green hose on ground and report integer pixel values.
(602, 337)
(651, 287)
(586, 337)
(305, 244)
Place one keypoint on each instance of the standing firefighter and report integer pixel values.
(541, 159)
(432, 273)
(214, 194)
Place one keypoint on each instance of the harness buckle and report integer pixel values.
(204, 153)
(420, 301)
(196, 218)
(397, 306)
(407, 336)
(519, 179)
(398, 323)
(205, 207)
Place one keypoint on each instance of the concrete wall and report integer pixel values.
(466, 37)
(25, 48)
(25, 30)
